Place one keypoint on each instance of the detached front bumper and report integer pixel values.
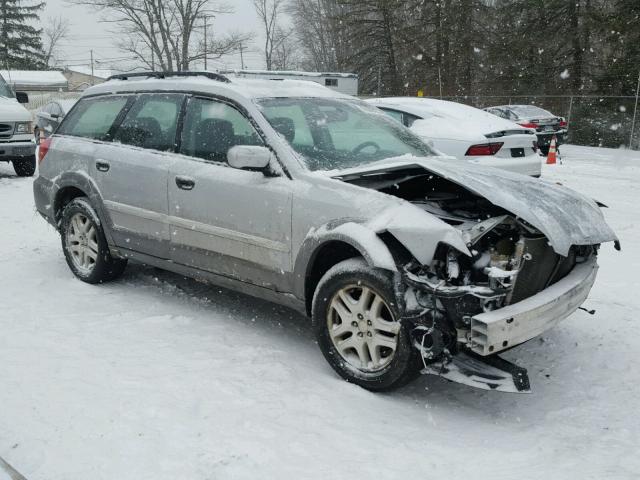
(498, 330)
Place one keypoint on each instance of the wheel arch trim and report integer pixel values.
(355, 235)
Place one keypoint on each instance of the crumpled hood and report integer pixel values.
(12, 111)
(564, 216)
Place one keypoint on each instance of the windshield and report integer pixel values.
(337, 133)
(5, 90)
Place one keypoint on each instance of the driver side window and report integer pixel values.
(212, 127)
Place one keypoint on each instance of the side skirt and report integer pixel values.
(285, 299)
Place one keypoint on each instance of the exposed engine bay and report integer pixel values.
(510, 261)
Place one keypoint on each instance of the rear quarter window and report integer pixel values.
(93, 117)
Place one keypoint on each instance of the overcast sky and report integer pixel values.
(88, 33)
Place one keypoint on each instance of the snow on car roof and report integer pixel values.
(248, 88)
(67, 103)
(458, 115)
(525, 109)
(422, 107)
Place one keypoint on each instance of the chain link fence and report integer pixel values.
(599, 121)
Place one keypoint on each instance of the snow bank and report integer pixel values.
(159, 377)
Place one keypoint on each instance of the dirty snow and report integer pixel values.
(160, 377)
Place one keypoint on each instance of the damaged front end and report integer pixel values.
(510, 261)
(494, 279)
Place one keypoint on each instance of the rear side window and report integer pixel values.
(395, 114)
(93, 117)
(151, 122)
(55, 109)
(409, 119)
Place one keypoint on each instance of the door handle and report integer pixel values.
(185, 183)
(102, 166)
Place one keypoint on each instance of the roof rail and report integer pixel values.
(210, 75)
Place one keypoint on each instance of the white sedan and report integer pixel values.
(466, 132)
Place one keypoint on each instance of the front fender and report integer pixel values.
(419, 231)
(355, 234)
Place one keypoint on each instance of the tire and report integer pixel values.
(544, 150)
(25, 167)
(385, 370)
(85, 246)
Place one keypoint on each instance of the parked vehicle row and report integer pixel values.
(467, 133)
(406, 261)
(546, 124)
(49, 117)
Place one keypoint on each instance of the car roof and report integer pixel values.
(520, 107)
(451, 115)
(235, 88)
(421, 106)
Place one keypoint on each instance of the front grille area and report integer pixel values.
(6, 130)
(541, 267)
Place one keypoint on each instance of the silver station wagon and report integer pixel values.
(406, 262)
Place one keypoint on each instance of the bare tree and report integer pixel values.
(285, 51)
(320, 34)
(56, 30)
(269, 12)
(164, 33)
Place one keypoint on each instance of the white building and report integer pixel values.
(81, 77)
(346, 83)
(35, 80)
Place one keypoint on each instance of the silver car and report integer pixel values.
(292, 192)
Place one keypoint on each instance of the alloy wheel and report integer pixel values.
(362, 328)
(82, 243)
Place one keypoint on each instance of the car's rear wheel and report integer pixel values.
(85, 246)
(357, 324)
(25, 167)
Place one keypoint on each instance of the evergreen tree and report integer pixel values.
(20, 43)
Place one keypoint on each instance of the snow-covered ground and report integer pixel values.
(159, 377)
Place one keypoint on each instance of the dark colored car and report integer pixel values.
(49, 117)
(545, 123)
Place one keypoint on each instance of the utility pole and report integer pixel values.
(153, 61)
(205, 42)
(241, 57)
(91, 67)
(635, 111)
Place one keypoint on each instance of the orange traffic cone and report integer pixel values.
(551, 156)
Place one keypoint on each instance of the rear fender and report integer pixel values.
(82, 181)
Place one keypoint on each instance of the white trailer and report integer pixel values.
(346, 83)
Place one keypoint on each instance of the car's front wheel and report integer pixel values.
(25, 167)
(85, 246)
(357, 324)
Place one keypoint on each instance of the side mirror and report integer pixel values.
(249, 157)
(22, 97)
